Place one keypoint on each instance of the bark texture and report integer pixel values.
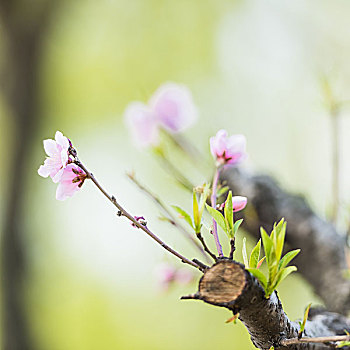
(322, 259)
(322, 263)
(227, 284)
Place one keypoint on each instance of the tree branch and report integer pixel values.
(171, 217)
(123, 212)
(323, 261)
(227, 284)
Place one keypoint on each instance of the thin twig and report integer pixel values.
(171, 217)
(213, 204)
(173, 171)
(335, 338)
(233, 247)
(187, 147)
(136, 223)
(206, 248)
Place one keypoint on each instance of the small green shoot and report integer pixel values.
(221, 191)
(302, 324)
(233, 319)
(198, 208)
(184, 215)
(226, 221)
(244, 253)
(277, 265)
(342, 344)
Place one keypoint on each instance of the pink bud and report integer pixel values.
(228, 150)
(239, 203)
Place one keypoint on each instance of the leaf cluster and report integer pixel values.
(276, 264)
(197, 207)
(253, 262)
(226, 221)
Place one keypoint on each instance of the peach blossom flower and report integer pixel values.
(228, 149)
(171, 108)
(71, 181)
(56, 162)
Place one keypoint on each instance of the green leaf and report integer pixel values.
(196, 216)
(282, 274)
(203, 198)
(217, 216)
(302, 324)
(268, 245)
(343, 344)
(244, 253)
(222, 191)
(280, 235)
(254, 255)
(260, 276)
(229, 212)
(288, 258)
(236, 226)
(183, 214)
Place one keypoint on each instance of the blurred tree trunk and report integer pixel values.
(24, 26)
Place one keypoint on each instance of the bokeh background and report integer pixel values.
(75, 276)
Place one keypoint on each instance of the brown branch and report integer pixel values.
(123, 212)
(171, 217)
(205, 247)
(324, 340)
(227, 284)
(324, 261)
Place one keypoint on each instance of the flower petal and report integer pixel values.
(50, 147)
(173, 105)
(239, 203)
(44, 170)
(142, 124)
(62, 140)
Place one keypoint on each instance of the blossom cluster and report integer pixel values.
(60, 167)
(170, 108)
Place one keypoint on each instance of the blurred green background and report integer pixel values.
(254, 67)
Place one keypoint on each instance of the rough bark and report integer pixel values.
(227, 284)
(322, 259)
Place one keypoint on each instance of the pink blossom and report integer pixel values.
(143, 124)
(56, 162)
(173, 106)
(228, 150)
(238, 203)
(71, 181)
